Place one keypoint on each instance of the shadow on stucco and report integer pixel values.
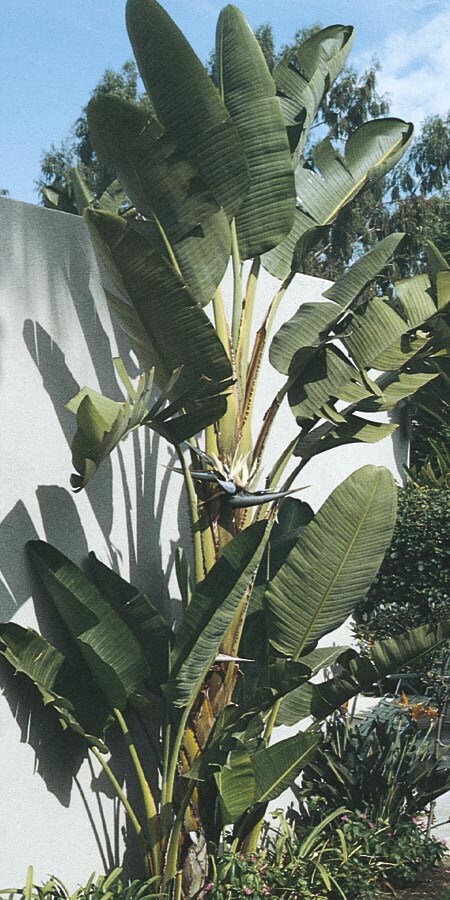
(59, 754)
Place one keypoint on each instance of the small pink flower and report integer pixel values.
(390, 834)
(345, 819)
(253, 858)
(370, 825)
(248, 891)
(362, 816)
(266, 890)
(208, 886)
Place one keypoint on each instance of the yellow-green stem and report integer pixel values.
(225, 431)
(237, 287)
(242, 353)
(121, 795)
(147, 796)
(199, 563)
(173, 762)
(170, 867)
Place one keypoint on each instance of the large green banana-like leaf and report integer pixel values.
(163, 321)
(369, 153)
(396, 386)
(334, 562)
(248, 90)
(63, 684)
(246, 780)
(113, 198)
(312, 324)
(378, 336)
(328, 374)
(356, 278)
(391, 654)
(163, 185)
(236, 784)
(141, 616)
(352, 430)
(277, 767)
(211, 611)
(361, 673)
(187, 103)
(109, 649)
(302, 84)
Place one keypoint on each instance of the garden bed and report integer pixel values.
(434, 885)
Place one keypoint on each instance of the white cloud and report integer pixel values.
(416, 67)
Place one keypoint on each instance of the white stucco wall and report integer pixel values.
(56, 336)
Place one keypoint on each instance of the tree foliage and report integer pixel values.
(413, 585)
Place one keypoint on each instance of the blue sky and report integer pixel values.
(53, 52)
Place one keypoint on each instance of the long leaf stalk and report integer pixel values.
(242, 354)
(151, 810)
(223, 438)
(174, 755)
(171, 861)
(268, 420)
(121, 794)
(200, 563)
(237, 287)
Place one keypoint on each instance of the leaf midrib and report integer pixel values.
(338, 572)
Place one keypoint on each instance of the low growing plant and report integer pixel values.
(382, 768)
(217, 173)
(110, 887)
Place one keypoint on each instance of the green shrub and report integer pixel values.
(413, 585)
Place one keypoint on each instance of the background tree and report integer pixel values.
(55, 182)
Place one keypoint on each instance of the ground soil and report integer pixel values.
(434, 885)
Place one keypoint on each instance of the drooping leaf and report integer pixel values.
(141, 616)
(187, 103)
(236, 785)
(248, 90)
(211, 611)
(277, 767)
(334, 562)
(308, 327)
(370, 152)
(162, 319)
(396, 386)
(393, 654)
(378, 337)
(246, 780)
(83, 195)
(109, 649)
(302, 84)
(63, 683)
(113, 198)
(354, 429)
(102, 424)
(165, 186)
(361, 673)
(356, 278)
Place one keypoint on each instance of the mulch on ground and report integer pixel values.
(432, 886)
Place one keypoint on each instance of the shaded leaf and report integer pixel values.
(187, 103)
(106, 644)
(248, 90)
(370, 152)
(164, 185)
